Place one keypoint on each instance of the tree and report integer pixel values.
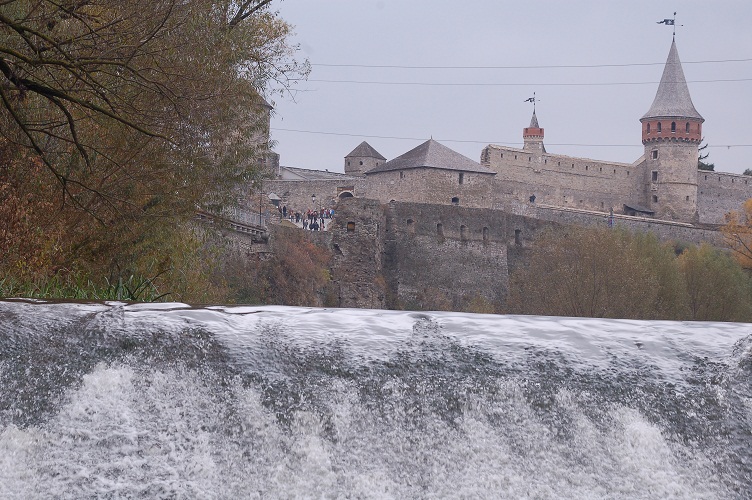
(597, 273)
(737, 234)
(717, 288)
(701, 164)
(138, 110)
(747, 171)
(159, 96)
(296, 273)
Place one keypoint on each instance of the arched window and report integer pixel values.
(673, 127)
(440, 230)
(463, 232)
(485, 234)
(648, 128)
(687, 127)
(659, 127)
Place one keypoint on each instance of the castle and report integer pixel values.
(664, 184)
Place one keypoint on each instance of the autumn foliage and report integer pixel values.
(296, 273)
(737, 234)
(612, 273)
(118, 120)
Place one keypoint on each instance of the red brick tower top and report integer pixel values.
(534, 131)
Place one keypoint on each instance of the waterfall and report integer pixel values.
(121, 400)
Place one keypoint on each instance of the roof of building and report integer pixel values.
(673, 99)
(293, 173)
(432, 154)
(640, 209)
(365, 150)
(534, 121)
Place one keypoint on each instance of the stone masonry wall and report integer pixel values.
(296, 195)
(719, 193)
(357, 241)
(429, 185)
(409, 254)
(671, 179)
(664, 230)
(563, 180)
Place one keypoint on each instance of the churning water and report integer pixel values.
(167, 401)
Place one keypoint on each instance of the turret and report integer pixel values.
(671, 134)
(533, 137)
(362, 159)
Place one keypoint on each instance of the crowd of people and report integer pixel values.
(312, 220)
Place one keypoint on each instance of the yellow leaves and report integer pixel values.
(737, 234)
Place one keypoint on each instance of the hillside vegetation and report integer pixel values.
(118, 119)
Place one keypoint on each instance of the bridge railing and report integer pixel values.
(244, 216)
(236, 216)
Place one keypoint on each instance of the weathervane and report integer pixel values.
(533, 100)
(670, 22)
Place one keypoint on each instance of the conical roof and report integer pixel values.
(432, 154)
(534, 121)
(365, 150)
(672, 99)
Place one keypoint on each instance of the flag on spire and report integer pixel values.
(670, 22)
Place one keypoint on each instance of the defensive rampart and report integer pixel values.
(424, 256)
(719, 193)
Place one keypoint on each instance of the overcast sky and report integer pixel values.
(590, 111)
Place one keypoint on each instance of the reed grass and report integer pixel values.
(78, 286)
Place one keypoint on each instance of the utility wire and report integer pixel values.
(539, 84)
(552, 66)
(482, 142)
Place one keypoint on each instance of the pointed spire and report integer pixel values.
(672, 98)
(534, 121)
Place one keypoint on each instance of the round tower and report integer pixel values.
(671, 134)
(362, 159)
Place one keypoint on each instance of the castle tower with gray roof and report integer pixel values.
(432, 173)
(363, 158)
(671, 135)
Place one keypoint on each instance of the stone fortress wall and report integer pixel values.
(398, 254)
(563, 180)
(435, 186)
(719, 193)
(588, 184)
(296, 194)
(558, 180)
